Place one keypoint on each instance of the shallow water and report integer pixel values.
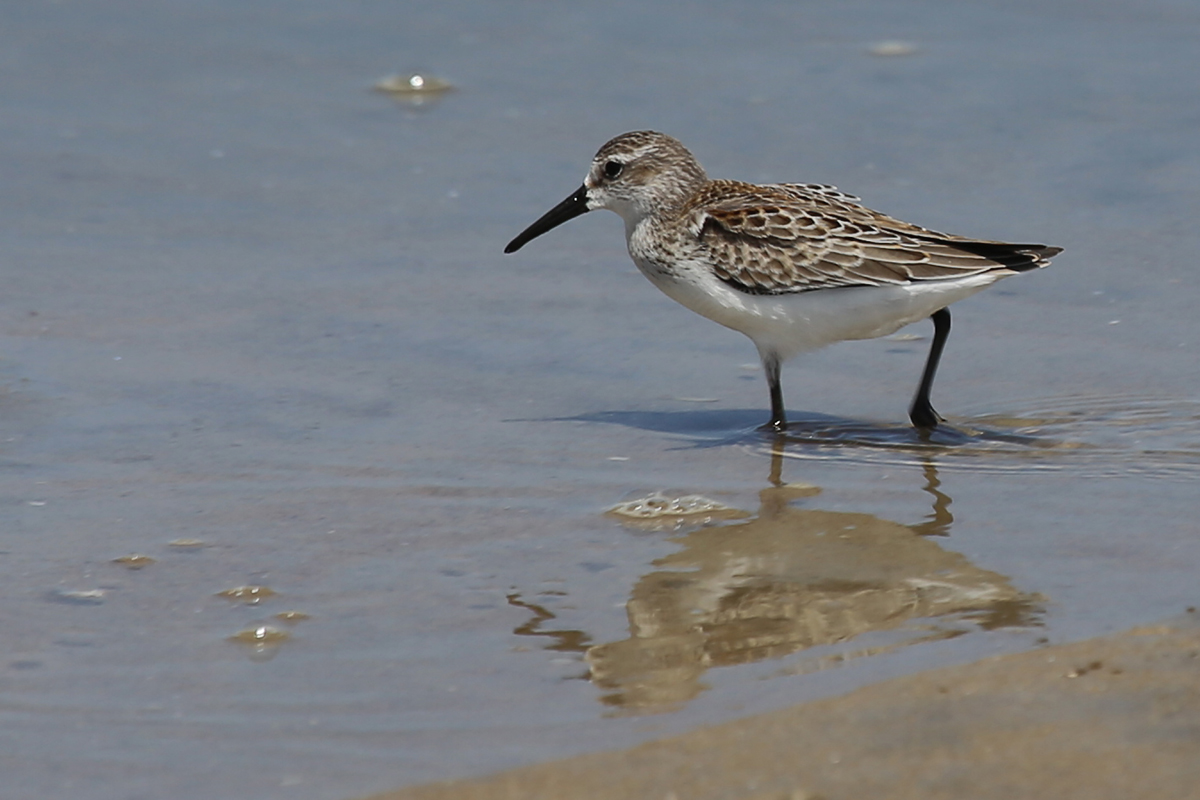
(257, 326)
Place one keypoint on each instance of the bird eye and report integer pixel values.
(612, 169)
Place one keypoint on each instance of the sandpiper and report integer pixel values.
(793, 266)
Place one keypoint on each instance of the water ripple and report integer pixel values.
(1085, 435)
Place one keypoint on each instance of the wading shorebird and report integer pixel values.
(794, 266)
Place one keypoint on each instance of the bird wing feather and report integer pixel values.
(787, 238)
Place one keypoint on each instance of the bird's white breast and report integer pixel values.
(789, 324)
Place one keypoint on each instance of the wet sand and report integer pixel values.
(253, 304)
(1114, 717)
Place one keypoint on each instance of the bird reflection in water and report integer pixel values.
(784, 581)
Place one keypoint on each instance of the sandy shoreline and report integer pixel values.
(1113, 717)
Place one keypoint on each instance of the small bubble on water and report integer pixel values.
(79, 597)
(250, 595)
(261, 634)
(134, 561)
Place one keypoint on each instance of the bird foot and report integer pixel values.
(924, 417)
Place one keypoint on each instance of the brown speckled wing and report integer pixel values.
(800, 237)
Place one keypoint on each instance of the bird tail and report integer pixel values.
(1017, 257)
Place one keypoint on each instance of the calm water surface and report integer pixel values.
(256, 325)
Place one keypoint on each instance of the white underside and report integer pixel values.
(785, 325)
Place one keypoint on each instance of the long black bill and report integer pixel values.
(570, 208)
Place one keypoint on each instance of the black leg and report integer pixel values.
(778, 415)
(921, 411)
